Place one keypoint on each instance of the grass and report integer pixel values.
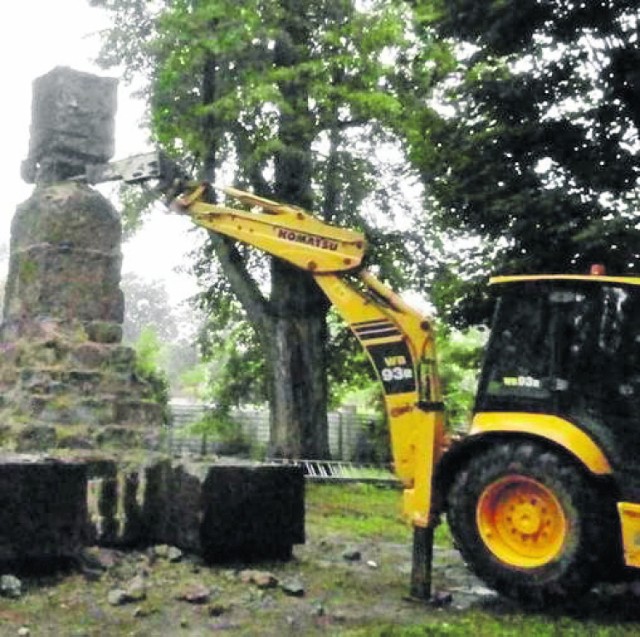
(362, 511)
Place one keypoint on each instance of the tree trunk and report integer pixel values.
(298, 307)
(291, 324)
(298, 382)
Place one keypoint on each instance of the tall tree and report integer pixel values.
(291, 99)
(532, 142)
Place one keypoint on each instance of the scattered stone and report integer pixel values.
(136, 590)
(293, 587)
(482, 591)
(24, 632)
(352, 555)
(117, 597)
(95, 561)
(161, 550)
(372, 564)
(141, 611)
(194, 594)
(10, 586)
(174, 554)
(441, 599)
(262, 579)
(339, 617)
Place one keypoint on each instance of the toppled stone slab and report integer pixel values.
(43, 509)
(222, 512)
(254, 512)
(51, 509)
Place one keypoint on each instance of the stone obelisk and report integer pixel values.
(65, 377)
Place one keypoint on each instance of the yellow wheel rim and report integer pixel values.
(521, 522)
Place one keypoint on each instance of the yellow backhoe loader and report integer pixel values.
(543, 494)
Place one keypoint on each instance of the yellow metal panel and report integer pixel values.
(416, 434)
(629, 280)
(558, 430)
(287, 232)
(630, 523)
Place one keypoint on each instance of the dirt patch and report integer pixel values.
(332, 584)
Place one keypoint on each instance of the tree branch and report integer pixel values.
(243, 285)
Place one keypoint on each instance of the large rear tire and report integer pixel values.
(528, 522)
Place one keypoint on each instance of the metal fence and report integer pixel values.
(348, 431)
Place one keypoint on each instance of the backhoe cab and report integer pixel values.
(543, 495)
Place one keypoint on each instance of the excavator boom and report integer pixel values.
(286, 232)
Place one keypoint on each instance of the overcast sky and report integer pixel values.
(36, 36)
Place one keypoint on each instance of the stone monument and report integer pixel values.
(65, 377)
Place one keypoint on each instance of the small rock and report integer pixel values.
(98, 557)
(117, 597)
(10, 586)
(339, 617)
(441, 599)
(481, 591)
(372, 564)
(194, 594)
(24, 632)
(262, 579)
(136, 590)
(352, 555)
(293, 587)
(174, 554)
(161, 550)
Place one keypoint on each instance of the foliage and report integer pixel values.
(233, 364)
(147, 304)
(149, 366)
(4, 256)
(459, 361)
(349, 370)
(148, 309)
(531, 140)
(217, 425)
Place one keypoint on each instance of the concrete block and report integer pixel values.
(72, 124)
(43, 509)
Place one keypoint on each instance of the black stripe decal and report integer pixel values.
(378, 333)
(372, 323)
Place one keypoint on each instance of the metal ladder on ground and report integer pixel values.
(341, 471)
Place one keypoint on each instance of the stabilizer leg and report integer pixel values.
(422, 562)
